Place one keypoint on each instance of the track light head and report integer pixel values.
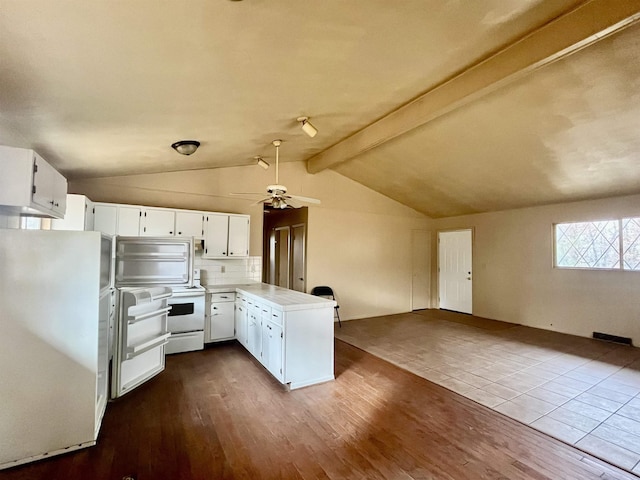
(262, 163)
(307, 127)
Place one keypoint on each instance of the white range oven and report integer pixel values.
(186, 319)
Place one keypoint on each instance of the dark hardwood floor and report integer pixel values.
(218, 414)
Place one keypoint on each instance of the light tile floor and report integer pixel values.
(581, 391)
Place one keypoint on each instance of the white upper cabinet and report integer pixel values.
(79, 214)
(29, 185)
(189, 224)
(106, 218)
(226, 236)
(239, 235)
(216, 232)
(129, 221)
(157, 222)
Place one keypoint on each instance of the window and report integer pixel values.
(599, 245)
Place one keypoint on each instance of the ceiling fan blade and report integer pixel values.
(305, 199)
(262, 200)
(248, 193)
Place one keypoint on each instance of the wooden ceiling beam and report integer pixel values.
(567, 34)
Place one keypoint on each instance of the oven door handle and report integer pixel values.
(186, 295)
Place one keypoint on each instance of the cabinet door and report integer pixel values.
(241, 323)
(189, 224)
(106, 219)
(221, 321)
(157, 223)
(129, 221)
(43, 180)
(254, 333)
(59, 193)
(238, 236)
(75, 215)
(273, 356)
(215, 236)
(89, 214)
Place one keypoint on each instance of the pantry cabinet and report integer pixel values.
(29, 185)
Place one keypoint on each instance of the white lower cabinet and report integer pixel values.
(272, 346)
(241, 319)
(219, 317)
(254, 331)
(290, 333)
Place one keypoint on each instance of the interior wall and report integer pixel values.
(358, 241)
(514, 279)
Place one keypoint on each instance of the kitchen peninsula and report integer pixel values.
(290, 333)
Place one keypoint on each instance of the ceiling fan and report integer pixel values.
(277, 194)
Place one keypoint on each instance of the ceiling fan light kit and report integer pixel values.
(186, 147)
(277, 194)
(307, 127)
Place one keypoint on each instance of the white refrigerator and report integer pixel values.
(55, 299)
(146, 270)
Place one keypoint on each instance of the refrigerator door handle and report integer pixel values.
(145, 316)
(143, 347)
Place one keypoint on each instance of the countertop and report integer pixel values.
(277, 297)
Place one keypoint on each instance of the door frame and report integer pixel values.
(449, 230)
(303, 257)
(421, 235)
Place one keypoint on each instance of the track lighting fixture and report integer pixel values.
(262, 163)
(186, 147)
(307, 127)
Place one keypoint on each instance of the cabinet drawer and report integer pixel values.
(223, 297)
(276, 317)
(265, 312)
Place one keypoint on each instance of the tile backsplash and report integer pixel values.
(228, 271)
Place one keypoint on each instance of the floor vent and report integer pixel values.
(612, 338)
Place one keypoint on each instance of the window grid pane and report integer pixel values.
(631, 243)
(588, 245)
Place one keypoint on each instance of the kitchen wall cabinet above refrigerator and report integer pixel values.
(29, 185)
(138, 220)
(79, 215)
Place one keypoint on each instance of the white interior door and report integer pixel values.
(454, 270)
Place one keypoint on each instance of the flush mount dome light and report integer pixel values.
(186, 147)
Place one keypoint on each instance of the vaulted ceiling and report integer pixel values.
(450, 107)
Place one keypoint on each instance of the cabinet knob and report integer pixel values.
(179, 233)
(224, 253)
(170, 233)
